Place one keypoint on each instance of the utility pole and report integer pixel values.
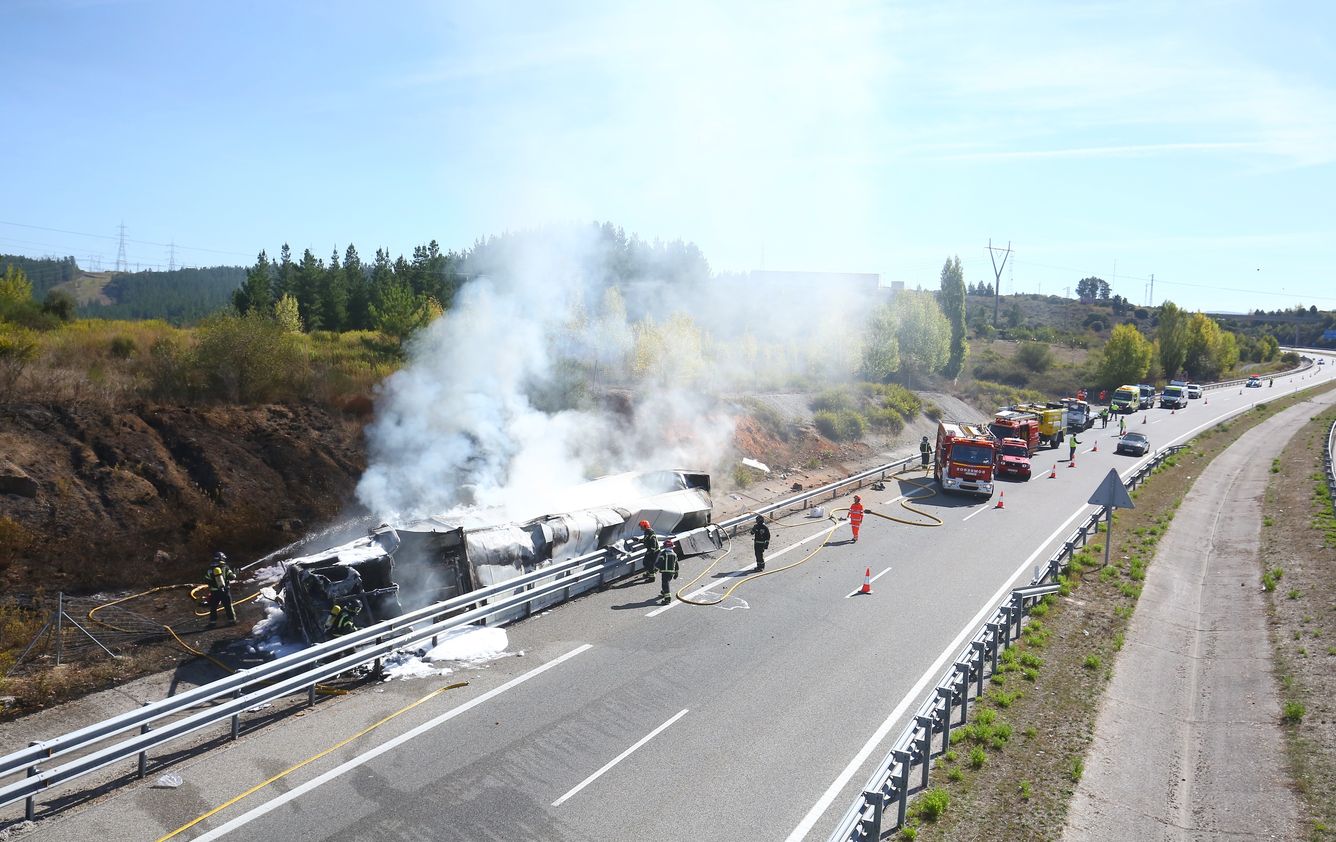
(122, 265)
(997, 274)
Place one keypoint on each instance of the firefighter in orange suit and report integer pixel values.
(856, 515)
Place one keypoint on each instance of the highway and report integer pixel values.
(758, 718)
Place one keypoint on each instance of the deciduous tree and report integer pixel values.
(952, 302)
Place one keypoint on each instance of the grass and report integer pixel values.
(1056, 715)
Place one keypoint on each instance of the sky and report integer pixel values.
(1191, 142)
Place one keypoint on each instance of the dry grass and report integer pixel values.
(1299, 542)
(1023, 789)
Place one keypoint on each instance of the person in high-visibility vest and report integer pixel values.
(219, 579)
(1072, 442)
(856, 516)
(666, 563)
(341, 618)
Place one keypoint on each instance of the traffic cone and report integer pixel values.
(1053, 471)
(867, 581)
(1095, 449)
(1000, 495)
(1173, 412)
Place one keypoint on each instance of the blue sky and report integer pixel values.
(1191, 141)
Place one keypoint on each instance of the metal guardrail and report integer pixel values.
(87, 750)
(1327, 465)
(904, 771)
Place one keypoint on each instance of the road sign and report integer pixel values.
(1112, 493)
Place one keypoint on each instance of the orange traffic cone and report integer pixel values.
(1095, 449)
(1000, 495)
(867, 581)
(1053, 471)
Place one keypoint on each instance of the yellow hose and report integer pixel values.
(904, 503)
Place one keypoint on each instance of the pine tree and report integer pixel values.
(335, 299)
(308, 292)
(255, 295)
(359, 293)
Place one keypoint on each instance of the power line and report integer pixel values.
(127, 239)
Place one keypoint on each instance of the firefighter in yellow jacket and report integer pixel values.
(219, 578)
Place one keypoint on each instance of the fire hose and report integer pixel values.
(933, 521)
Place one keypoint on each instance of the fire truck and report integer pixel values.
(965, 456)
(1052, 421)
(1014, 424)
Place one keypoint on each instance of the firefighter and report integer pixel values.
(666, 563)
(219, 579)
(856, 515)
(925, 450)
(760, 540)
(650, 541)
(341, 618)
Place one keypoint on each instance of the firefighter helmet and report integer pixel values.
(219, 555)
(644, 524)
(760, 519)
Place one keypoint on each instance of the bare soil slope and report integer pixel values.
(96, 498)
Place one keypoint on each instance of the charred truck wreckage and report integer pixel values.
(398, 568)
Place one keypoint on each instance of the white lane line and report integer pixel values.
(619, 758)
(977, 512)
(246, 818)
(742, 571)
(822, 804)
(857, 591)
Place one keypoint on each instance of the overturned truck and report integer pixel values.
(397, 568)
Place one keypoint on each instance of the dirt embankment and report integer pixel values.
(95, 498)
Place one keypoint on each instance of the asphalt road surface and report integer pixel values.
(758, 718)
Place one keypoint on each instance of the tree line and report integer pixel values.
(397, 296)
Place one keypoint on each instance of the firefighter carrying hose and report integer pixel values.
(856, 516)
(219, 579)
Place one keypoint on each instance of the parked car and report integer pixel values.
(1194, 391)
(1133, 443)
(1254, 382)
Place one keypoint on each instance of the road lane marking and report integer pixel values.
(857, 591)
(742, 571)
(973, 513)
(823, 803)
(246, 818)
(619, 758)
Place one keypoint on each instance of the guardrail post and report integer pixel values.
(143, 755)
(236, 717)
(964, 684)
(30, 803)
(1006, 623)
(947, 697)
(903, 758)
(925, 746)
(310, 696)
(995, 632)
(980, 649)
(876, 800)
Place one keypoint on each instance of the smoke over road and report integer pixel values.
(547, 371)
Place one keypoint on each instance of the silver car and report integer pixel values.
(1133, 443)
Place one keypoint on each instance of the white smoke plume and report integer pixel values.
(543, 375)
